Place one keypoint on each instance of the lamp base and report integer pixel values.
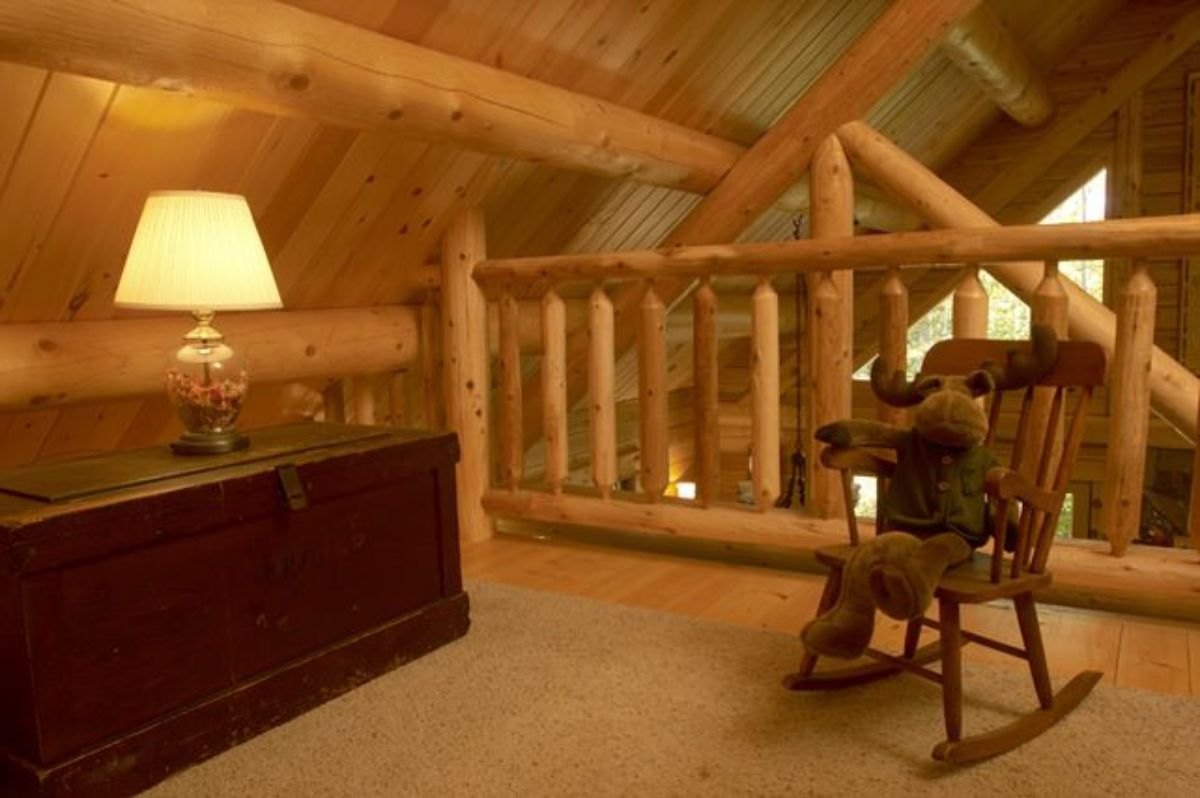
(201, 443)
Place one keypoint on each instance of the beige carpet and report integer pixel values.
(556, 696)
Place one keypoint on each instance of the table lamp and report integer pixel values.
(200, 252)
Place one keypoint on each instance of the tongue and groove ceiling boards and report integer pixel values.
(353, 218)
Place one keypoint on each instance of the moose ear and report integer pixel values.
(980, 383)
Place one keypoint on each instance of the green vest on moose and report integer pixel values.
(939, 489)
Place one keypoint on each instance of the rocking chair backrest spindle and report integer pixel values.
(1080, 367)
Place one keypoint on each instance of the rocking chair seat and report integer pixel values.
(968, 583)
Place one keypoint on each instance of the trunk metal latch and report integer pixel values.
(293, 488)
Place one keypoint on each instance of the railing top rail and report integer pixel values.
(1163, 236)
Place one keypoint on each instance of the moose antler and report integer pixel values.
(894, 388)
(1025, 367)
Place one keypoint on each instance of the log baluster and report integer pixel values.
(431, 363)
(334, 398)
(652, 394)
(707, 413)
(1129, 409)
(1048, 306)
(510, 447)
(764, 394)
(893, 335)
(970, 316)
(602, 412)
(554, 388)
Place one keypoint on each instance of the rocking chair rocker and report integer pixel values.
(1080, 366)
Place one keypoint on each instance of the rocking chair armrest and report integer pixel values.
(1004, 483)
(858, 459)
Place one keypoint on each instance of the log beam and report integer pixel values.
(984, 49)
(274, 57)
(51, 364)
(669, 517)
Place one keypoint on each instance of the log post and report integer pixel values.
(704, 376)
(893, 336)
(554, 388)
(764, 395)
(970, 318)
(831, 311)
(511, 449)
(1129, 416)
(602, 410)
(1048, 306)
(464, 344)
(652, 398)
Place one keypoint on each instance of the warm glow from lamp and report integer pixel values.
(199, 251)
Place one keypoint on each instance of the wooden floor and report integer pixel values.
(1132, 652)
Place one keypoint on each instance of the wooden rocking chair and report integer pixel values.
(1081, 366)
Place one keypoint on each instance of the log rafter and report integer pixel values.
(273, 57)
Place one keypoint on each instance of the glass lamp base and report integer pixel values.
(200, 443)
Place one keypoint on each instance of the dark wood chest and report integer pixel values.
(155, 610)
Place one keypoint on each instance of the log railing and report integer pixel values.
(827, 261)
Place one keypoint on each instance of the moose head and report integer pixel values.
(946, 413)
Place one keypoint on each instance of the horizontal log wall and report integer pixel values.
(44, 365)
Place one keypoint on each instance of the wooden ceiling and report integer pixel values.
(354, 218)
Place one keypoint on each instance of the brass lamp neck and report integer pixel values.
(203, 333)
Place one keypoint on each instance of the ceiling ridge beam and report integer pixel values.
(1068, 129)
(987, 52)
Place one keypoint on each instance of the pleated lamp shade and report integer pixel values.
(197, 250)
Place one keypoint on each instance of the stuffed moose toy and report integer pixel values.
(934, 508)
